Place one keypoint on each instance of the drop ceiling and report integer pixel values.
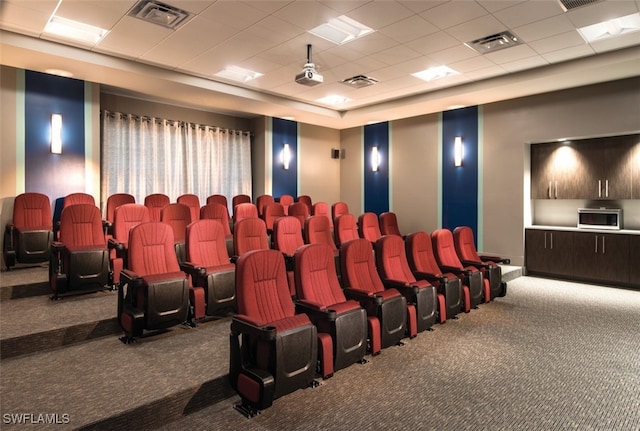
(177, 66)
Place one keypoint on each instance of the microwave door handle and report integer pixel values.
(606, 188)
(603, 250)
(599, 188)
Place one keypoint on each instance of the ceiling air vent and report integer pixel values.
(572, 4)
(159, 13)
(359, 81)
(495, 42)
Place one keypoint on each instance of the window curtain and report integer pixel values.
(142, 155)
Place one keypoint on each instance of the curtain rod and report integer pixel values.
(180, 123)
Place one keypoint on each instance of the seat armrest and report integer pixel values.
(456, 271)
(430, 277)
(402, 286)
(362, 296)
(245, 325)
(115, 245)
(57, 247)
(476, 264)
(129, 277)
(192, 269)
(315, 311)
(234, 259)
(487, 258)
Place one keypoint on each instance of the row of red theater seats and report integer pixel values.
(155, 293)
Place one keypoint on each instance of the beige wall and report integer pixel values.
(414, 173)
(351, 182)
(318, 173)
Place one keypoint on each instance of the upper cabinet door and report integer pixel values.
(635, 170)
(595, 169)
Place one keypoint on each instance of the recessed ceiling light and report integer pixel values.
(75, 30)
(434, 73)
(239, 74)
(341, 30)
(612, 28)
(333, 100)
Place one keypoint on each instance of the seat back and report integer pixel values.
(151, 249)
(389, 224)
(78, 198)
(193, 203)
(205, 244)
(358, 267)
(249, 234)
(339, 208)
(114, 201)
(316, 278)
(286, 200)
(287, 235)
(300, 211)
(81, 226)
(218, 199)
(32, 211)
(306, 199)
(322, 209)
(239, 199)
(262, 201)
(126, 217)
(318, 231)
(368, 227)
(219, 212)
(345, 228)
(155, 202)
(391, 259)
(420, 253)
(464, 244)
(271, 213)
(244, 210)
(178, 216)
(444, 249)
(261, 287)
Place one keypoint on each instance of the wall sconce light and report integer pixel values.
(56, 134)
(286, 156)
(457, 151)
(375, 159)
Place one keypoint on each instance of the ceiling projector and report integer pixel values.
(309, 76)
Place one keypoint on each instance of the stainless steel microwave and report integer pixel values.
(600, 218)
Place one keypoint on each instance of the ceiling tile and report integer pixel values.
(233, 13)
(524, 63)
(568, 53)
(433, 43)
(475, 29)
(307, 15)
(453, 13)
(544, 28)
(510, 55)
(145, 35)
(453, 54)
(409, 29)
(528, 12)
(421, 6)
(27, 17)
(557, 42)
(378, 14)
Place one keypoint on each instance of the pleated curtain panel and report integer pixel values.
(144, 155)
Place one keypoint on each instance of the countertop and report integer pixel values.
(576, 229)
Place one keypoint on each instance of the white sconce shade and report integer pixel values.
(375, 159)
(286, 156)
(56, 134)
(457, 151)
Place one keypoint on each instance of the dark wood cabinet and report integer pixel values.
(595, 169)
(608, 258)
(549, 252)
(635, 171)
(634, 261)
(602, 257)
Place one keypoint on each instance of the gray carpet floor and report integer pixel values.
(551, 355)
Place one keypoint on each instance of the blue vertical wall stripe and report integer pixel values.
(54, 174)
(376, 184)
(460, 184)
(284, 182)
